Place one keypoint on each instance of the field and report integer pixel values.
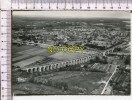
(69, 56)
(20, 53)
(30, 50)
(34, 89)
(78, 82)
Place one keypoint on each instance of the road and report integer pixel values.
(108, 81)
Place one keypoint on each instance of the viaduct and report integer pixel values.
(76, 61)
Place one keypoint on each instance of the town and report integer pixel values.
(101, 66)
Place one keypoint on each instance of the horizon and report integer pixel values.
(73, 14)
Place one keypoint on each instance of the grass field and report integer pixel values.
(69, 56)
(19, 50)
(25, 52)
(16, 49)
(34, 89)
(88, 81)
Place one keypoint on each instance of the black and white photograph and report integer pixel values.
(71, 53)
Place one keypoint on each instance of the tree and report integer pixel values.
(127, 60)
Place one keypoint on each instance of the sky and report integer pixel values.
(73, 14)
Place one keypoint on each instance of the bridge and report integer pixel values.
(120, 53)
(57, 65)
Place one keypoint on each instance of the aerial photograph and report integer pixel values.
(71, 53)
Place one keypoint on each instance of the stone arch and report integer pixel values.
(89, 57)
(80, 60)
(121, 34)
(30, 70)
(47, 68)
(67, 63)
(50, 67)
(104, 53)
(86, 59)
(83, 60)
(64, 64)
(74, 62)
(112, 49)
(34, 69)
(61, 64)
(42, 69)
(77, 61)
(55, 67)
(38, 69)
(71, 62)
(58, 65)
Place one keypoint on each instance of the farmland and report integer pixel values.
(21, 53)
(71, 82)
(29, 50)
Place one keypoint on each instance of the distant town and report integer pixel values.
(102, 68)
